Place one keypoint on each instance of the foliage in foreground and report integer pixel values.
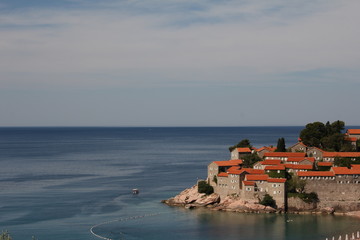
(204, 187)
(268, 201)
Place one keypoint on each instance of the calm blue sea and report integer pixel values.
(56, 183)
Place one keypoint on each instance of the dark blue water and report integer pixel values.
(55, 183)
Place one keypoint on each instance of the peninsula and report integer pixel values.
(320, 173)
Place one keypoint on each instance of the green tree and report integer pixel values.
(295, 184)
(204, 187)
(281, 147)
(250, 159)
(242, 143)
(268, 201)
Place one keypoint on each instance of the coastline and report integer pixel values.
(190, 199)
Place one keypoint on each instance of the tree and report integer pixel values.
(281, 147)
(268, 201)
(250, 159)
(295, 184)
(242, 143)
(204, 187)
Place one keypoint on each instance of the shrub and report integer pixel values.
(268, 201)
(204, 187)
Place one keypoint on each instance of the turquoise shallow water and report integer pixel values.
(56, 183)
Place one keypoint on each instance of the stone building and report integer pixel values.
(237, 153)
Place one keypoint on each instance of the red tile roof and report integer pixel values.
(324, 164)
(270, 149)
(299, 159)
(223, 174)
(345, 171)
(350, 139)
(316, 174)
(228, 163)
(355, 166)
(271, 162)
(284, 154)
(257, 177)
(275, 167)
(353, 131)
(299, 166)
(341, 154)
(244, 150)
(277, 180)
(249, 183)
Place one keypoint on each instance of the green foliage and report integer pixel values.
(204, 187)
(5, 236)
(242, 143)
(295, 184)
(275, 174)
(326, 136)
(323, 168)
(345, 162)
(268, 201)
(215, 179)
(281, 147)
(309, 197)
(358, 145)
(250, 159)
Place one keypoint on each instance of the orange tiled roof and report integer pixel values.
(355, 166)
(223, 174)
(341, 154)
(350, 139)
(299, 159)
(257, 177)
(353, 131)
(245, 150)
(324, 164)
(271, 162)
(277, 180)
(299, 166)
(275, 167)
(270, 149)
(228, 163)
(284, 154)
(345, 171)
(249, 183)
(316, 174)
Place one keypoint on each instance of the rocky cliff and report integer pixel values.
(190, 198)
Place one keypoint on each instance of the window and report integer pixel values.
(248, 189)
(279, 192)
(275, 192)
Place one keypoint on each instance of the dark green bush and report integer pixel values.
(204, 187)
(268, 201)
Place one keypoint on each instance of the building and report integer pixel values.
(237, 153)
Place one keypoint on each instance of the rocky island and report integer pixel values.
(318, 174)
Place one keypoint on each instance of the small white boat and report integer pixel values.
(135, 191)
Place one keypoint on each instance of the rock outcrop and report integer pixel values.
(190, 198)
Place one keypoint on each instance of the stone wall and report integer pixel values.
(343, 196)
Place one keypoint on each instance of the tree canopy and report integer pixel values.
(242, 143)
(281, 147)
(325, 136)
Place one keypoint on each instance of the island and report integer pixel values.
(318, 174)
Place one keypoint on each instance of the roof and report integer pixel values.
(270, 149)
(345, 171)
(325, 164)
(277, 180)
(350, 139)
(316, 174)
(341, 154)
(223, 174)
(257, 177)
(284, 154)
(249, 183)
(271, 162)
(246, 149)
(228, 163)
(355, 166)
(299, 166)
(300, 159)
(275, 167)
(353, 131)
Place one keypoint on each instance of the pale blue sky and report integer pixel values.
(178, 62)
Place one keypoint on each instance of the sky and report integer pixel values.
(179, 62)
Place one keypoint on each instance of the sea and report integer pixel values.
(64, 182)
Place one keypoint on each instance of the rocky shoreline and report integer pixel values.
(190, 198)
